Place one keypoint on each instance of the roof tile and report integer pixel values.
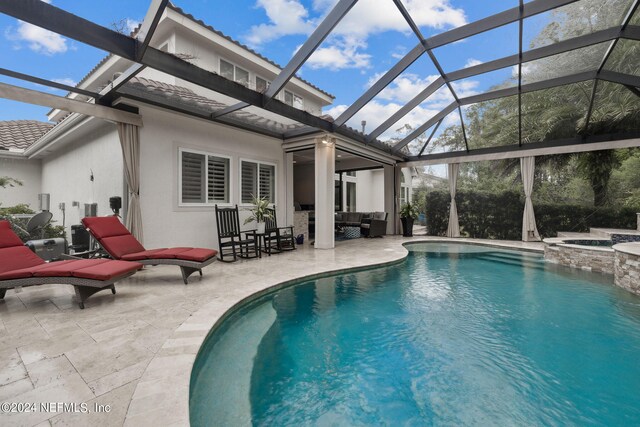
(21, 134)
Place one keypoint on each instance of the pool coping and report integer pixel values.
(163, 392)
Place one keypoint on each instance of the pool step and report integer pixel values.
(515, 260)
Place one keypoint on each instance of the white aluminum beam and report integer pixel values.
(45, 99)
(524, 151)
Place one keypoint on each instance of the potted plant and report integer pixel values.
(408, 213)
(259, 213)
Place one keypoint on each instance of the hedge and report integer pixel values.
(499, 216)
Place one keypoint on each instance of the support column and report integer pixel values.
(325, 166)
(289, 202)
(390, 198)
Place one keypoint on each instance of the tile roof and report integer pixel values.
(20, 134)
(189, 100)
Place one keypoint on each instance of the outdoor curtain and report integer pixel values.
(454, 228)
(529, 229)
(130, 143)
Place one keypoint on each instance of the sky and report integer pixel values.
(369, 40)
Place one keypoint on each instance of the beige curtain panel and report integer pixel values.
(454, 228)
(529, 229)
(130, 143)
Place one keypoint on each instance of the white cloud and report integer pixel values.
(405, 87)
(471, 62)
(37, 39)
(345, 47)
(343, 54)
(130, 25)
(286, 17)
(399, 52)
(374, 16)
(65, 81)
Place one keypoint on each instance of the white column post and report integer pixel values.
(288, 176)
(325, 166)
(390, 195)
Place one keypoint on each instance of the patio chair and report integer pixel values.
(375, 225)
(119, 243)
(277, 239)
(20, 267)
(230, 237)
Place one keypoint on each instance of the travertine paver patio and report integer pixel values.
(134, 350)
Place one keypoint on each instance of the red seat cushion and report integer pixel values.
(66, 268)
(198, 254)
(18, 257)
(170, 253)
(7, 237)
(108, 270)
(105, 226)
(141, 255)
(119, 246)
(23, 273)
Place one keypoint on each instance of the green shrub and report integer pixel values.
(499, 216)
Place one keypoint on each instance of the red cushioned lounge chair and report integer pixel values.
(120, 244)
(21, 267)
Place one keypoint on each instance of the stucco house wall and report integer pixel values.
(66, 173)
(26, 171)
(166, 223)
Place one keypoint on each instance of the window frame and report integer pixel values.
(255, 82)
(206, 189)
(235, 79)
(258, 163)
(293, 98)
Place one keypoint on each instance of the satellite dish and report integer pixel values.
(39, 220)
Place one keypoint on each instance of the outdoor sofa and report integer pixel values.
(20, 267)
(120, 244)
(371, 224)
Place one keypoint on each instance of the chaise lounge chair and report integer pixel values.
(20, 267)
(120, 244)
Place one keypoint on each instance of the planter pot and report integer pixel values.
(260, 228)
(407, 227)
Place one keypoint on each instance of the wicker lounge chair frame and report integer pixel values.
(187, 267)
(84, 287)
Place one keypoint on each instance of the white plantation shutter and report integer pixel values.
(257, 179)
(217, 179)
(249, 178)
(193, 183)
(204, 178)
(267, 182)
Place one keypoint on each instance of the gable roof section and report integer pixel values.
(21, 134)
(237, 43)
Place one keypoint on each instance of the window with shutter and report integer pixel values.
(267, 181)
(257, 180)
(248, 181)
(218, 179)
(193, 185)
(204, 178)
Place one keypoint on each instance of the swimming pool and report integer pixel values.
(455, 335)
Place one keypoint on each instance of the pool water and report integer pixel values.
(455, 335)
